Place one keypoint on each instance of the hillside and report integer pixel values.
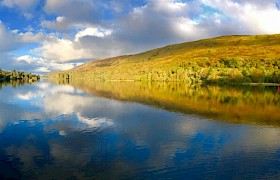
(222, 59)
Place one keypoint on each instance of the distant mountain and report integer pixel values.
(234, 59)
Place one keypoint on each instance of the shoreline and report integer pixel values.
(261, 84)
(205, 83)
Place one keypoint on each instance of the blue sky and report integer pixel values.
(46, 35)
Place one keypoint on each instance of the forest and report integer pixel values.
(17, 75)
(222, 71)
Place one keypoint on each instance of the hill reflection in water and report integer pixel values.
(239, 104)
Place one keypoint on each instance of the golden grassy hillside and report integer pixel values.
(221, 59)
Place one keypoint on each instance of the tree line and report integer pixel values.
(17, 75)
(223, 70)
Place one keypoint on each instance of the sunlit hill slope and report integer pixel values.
(235, 59)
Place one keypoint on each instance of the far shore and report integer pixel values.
(261, 84)
(130, 80)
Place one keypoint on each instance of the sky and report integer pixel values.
(47, 35)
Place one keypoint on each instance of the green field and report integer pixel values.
(226, 59)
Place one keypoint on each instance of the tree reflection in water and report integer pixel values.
(238, 104)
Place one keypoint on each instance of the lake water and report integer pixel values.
(91, 130)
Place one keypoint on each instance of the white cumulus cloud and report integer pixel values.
(8, 39)
(93, 32)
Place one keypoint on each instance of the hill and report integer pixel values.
(235, 59)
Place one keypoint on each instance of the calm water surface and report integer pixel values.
(125, 130)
